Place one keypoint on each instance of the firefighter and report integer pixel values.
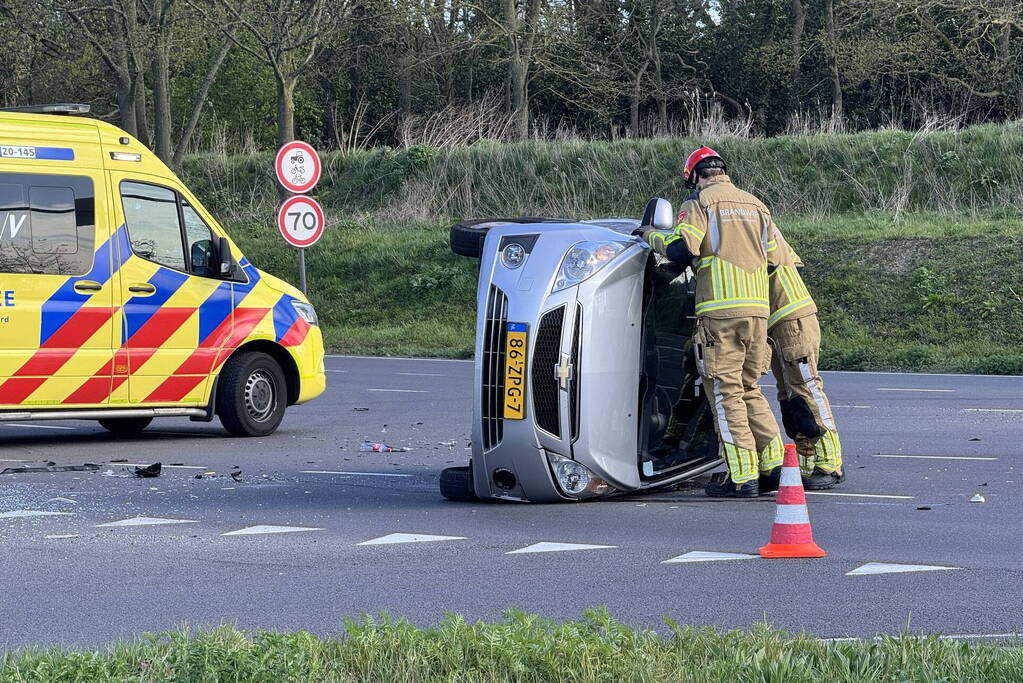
(795, 336)
(723, 233)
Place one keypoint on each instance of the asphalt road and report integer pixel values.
(68, 579)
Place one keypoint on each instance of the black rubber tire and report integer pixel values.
(456, 484)
(125, 425)
(466, 238)
(251, 380)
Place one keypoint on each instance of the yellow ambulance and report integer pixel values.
(122, 299)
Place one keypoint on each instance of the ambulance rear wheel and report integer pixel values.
(251, 394)
(125, 425)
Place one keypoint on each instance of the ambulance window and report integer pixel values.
(151, 216)
(47, 224)
(203, 256)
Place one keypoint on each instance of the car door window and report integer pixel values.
(199, 243)
(153, 222)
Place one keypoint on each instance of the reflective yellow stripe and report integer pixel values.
(691, 230)
(788, 310)
(734, 287)
(772, 245)
(734, 303)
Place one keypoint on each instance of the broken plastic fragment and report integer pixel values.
(372, 447)
(977, 498)
(149, 471)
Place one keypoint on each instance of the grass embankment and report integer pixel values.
(521, 648)
(913, 241)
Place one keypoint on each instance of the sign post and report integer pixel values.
(300, 219)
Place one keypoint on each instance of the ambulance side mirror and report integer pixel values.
(229, 268)
(659, 214)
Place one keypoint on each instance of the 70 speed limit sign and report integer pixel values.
(300, 220)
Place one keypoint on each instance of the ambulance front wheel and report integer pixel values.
(251, 394)
(125, 425)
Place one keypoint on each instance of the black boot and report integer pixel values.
(770, 480)
(722, 486)
(819, 480)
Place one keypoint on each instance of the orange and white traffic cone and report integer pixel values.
(791, 535)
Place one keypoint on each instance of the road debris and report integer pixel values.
(149, 471)
(977, 498)
(360, 409)
(51, 467)
(56, 536)
(62, 500)
(373, 447)
(237, 475)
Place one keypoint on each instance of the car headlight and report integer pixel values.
(584, 260)
(575, 479)
(306, 312)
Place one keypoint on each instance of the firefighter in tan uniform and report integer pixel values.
(723, 233)
(795, 336)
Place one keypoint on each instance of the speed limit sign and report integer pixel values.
(297, 166)
(300, 220)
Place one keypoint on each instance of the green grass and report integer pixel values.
(519, 648)
(925, 293)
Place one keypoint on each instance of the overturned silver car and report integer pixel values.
(585, 386)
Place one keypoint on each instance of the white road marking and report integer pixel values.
(55, 536)
(31, 513)
(30, 426)
(357, 474)
(337, 371)
(418, 360)
(939, 391)
(13, 460)
(885, 568)
(934, 457)
(142, 464)
(857, 495)
(148, 521)
(708, 556)
(951, 636)
(545, 547)
(400, 391)
(409, 538)
(421, 374)
(269, 529)
(992, 410)
(835, 405)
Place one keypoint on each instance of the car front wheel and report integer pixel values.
(251, 394)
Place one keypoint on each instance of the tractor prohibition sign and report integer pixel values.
(298, 167)
(300, 220)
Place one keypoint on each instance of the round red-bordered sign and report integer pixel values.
(298, 167)
(301, 222)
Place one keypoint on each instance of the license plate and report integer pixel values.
(515, 346)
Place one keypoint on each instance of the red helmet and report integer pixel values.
(700, 159)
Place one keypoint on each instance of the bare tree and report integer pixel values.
(521, 20)
(286, 36)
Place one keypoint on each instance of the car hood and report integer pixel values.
(281, 286)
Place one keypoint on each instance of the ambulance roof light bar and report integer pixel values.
(63, 108)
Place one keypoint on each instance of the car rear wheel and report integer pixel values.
(251, 394)
(125, 425)
(456, 483)
(466, 238)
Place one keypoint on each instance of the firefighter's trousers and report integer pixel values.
(732, 355)
(806, 412)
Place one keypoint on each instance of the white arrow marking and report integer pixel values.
(31, 513)
(409, 538)
(883, 568)
(546, 547)
(269, 529)
(708, 556)
(148, 521)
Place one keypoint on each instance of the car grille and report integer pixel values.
(573, 389)
(546, 358)
(492, 380)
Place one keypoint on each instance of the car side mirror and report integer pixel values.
(229, 269)
(659, 214)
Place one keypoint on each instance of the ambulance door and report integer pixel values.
(56, 292)
(172, 304)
